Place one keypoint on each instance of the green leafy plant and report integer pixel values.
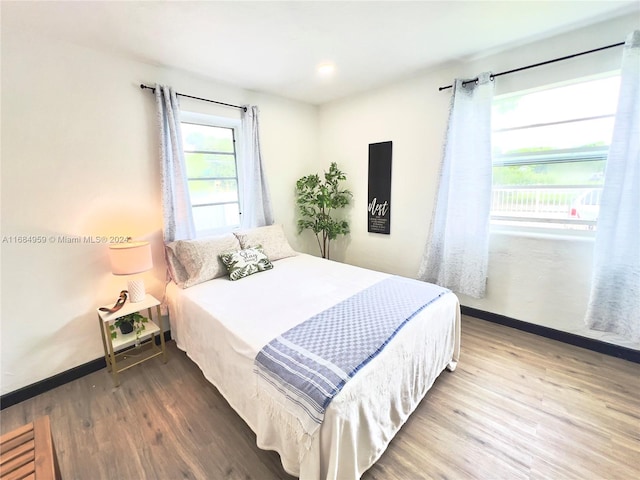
(136, 320)
(316, 200)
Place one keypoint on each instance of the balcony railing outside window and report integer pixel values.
(572, 206)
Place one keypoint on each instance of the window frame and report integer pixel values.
(560, 226)
(220, 122)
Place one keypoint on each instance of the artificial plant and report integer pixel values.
(136, 321)
(317, 199)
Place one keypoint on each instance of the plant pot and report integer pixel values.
(126, 327)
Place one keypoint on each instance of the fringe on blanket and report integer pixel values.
(273, 409)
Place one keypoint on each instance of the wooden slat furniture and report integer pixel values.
(28, 453)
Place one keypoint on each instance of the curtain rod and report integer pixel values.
(143, 86)
(540, 64)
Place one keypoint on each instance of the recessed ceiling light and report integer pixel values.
(326, 68)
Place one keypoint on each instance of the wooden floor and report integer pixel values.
(518, 407)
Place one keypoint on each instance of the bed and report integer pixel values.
(222, 325)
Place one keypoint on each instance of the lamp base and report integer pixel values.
(136, 291)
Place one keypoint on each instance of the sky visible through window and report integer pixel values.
(571, 116)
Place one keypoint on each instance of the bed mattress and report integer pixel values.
(222, 325)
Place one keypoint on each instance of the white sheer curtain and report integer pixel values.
(176, 204)
(256, 201)
(614, 304)
(456, 255)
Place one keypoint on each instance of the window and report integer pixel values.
(549, 153)
(212, 171)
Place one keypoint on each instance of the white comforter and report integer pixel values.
(222, 325)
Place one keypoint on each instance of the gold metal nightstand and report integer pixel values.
(116, 352)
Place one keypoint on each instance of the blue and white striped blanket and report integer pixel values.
(309, 364)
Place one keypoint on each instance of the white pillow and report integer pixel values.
(201, 257)
(246, 262)
(272, 238)
(176, 270)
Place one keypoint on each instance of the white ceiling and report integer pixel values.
(275, 47)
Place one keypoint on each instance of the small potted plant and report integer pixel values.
(127, 324)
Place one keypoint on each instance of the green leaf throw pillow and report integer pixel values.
(243, 263)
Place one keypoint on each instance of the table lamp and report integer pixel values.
(130, 259)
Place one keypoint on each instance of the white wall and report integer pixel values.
(80, 158)
(535, 278)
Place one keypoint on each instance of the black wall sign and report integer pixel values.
(379, 216)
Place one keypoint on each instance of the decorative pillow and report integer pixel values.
(176, 270)
(272, 239)
(246, 262)
(201, 257)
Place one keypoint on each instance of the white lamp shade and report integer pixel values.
(130, 258)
